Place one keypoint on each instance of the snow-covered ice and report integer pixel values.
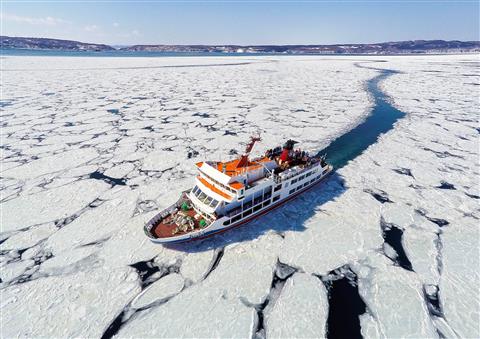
(300, 311)
(92, 147)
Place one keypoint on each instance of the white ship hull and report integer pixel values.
(290, 188)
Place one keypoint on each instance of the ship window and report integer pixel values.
(247, 204)
(276, 198)
(202, 196)
(305, 184)
(312, 180)
(227, 222)
(294, 181)
(291, 191)
(301, 177)
(256, 208)
(257, 200)
(236, 211)
(236, 218)
(267, 194)
(247, 212)
(278, 188)
(214, 203)
(266, 203)
(207, 201)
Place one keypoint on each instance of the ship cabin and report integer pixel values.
(223, 188)
(219, 185)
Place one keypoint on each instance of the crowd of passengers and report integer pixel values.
(295, 157)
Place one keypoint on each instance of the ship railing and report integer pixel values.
(277, 179)
(293, 174)
(164, 213)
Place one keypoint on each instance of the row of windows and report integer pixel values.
(305, 184)
(309, 174)
(303, 176)
(252, 200)
(204, 198)
(264, 200)
(247, 212)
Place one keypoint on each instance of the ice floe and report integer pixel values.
(92, 149)
(301, 310)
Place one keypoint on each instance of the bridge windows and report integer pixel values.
(204, 198)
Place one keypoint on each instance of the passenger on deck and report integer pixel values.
(284, 157)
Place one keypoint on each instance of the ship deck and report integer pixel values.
(168, 228)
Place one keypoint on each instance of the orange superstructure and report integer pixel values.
(237, 185)
(232, 168)
(214, 189)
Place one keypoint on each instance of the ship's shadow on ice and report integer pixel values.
(291, 216)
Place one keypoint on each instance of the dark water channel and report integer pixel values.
(381, 119)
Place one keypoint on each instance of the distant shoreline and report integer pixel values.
(121, 53)
(25, 45)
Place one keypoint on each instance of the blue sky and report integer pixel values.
(242, 22)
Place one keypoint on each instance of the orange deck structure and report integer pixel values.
(236, 185)
(214, 189)
(232, 167)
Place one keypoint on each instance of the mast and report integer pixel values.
(244, 158)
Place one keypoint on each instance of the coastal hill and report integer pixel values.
(400, 47)
(50, 44)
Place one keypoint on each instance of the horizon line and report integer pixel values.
(239, 44)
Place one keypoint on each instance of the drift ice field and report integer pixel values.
(92, 148)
